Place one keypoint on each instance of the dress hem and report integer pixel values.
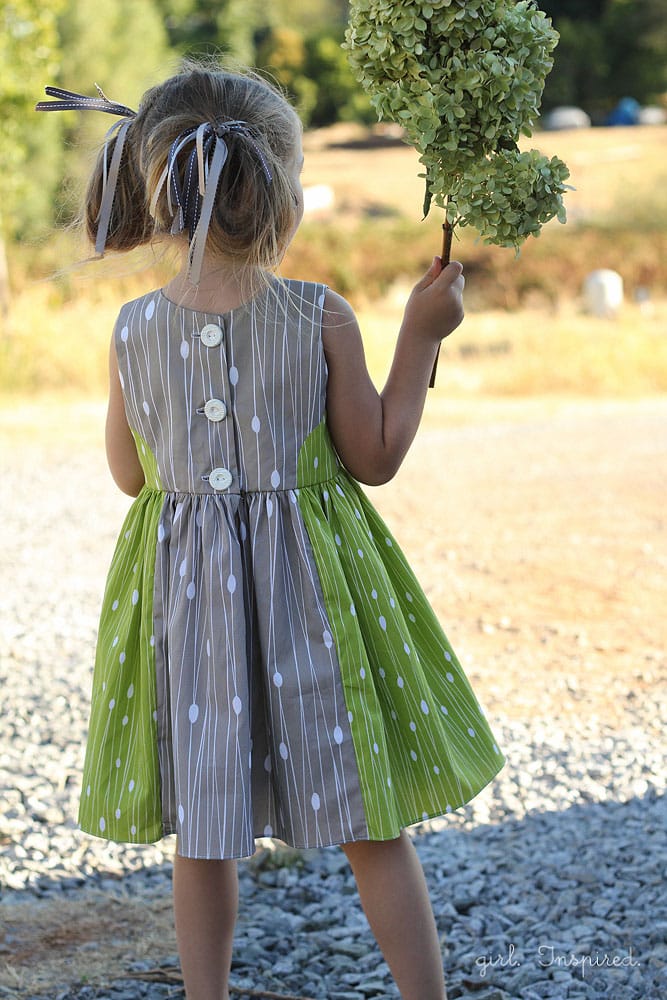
(425, 817)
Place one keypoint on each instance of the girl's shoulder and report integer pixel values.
(331, 311)
(339, 322)
(301, 292)
(144, 305)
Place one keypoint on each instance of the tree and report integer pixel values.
(316, 73)
(29, 53)
(575, 10)
(120, 46)
(192, 24)
(635, 33)
(196, 26)
(581, 66)
(608, 49)
(338, 95)
(281, 53)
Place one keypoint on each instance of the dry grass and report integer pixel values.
(533, 352)
(81, 940)
(494, 353)
(608, 166)
(524, 333)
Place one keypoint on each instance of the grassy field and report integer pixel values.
(525, 331)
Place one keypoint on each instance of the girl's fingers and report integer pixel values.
(433, 272)
(453, 270)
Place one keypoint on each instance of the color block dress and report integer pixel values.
(267, 664)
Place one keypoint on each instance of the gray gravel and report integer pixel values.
(549, 884)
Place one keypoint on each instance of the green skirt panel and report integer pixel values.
(121, 781)
(422, 743)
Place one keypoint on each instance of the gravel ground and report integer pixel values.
(546, 563)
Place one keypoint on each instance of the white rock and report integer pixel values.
(318, 199)
(603, 293)
(566, 118)
(652, 115)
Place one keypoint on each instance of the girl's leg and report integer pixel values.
(395, 900)
(205, 905)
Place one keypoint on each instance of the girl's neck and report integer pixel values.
(220, 289)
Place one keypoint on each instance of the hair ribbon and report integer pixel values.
(191, 203)
(67, 100)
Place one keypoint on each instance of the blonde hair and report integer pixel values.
(253, 218)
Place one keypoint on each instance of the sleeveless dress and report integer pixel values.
(267, 664)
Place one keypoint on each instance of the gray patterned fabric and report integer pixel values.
(256, 764)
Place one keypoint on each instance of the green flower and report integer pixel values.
(465, 80)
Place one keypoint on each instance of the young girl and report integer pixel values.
(267, 664)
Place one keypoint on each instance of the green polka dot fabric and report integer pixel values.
(422, 743)
(267, 664)
(121, 781)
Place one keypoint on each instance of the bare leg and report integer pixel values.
(205, 905)
(395, 900)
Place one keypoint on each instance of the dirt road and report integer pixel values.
(539, 530)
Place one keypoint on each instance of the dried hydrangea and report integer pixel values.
(465, 78)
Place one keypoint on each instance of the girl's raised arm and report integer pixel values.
(372, 431)
(121, 450)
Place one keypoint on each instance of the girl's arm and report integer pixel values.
(121, 449)
(372, 431)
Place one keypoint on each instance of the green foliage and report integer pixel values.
(465, 80)
(29, 53)
(233, 25)
(121, 46)
(635, 34)
(281, 53)
(338, 95)
(314, 70)
(509, 196)
(192, 24)
(581, 10)
(580, 68)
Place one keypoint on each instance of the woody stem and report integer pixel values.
(447, 234)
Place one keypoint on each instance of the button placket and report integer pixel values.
(215, 410)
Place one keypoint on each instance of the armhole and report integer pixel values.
(121, 356)
(321, 296)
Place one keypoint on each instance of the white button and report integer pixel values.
(211, 335)
(220, 479)
(215, 409)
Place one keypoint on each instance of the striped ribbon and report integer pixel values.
(191, 202)
(68, 100)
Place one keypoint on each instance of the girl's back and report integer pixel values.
(303, 686)
(224, 403)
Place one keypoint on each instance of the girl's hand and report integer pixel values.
(435, 306)
(372, 431)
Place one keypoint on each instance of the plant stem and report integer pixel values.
(447, 234)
